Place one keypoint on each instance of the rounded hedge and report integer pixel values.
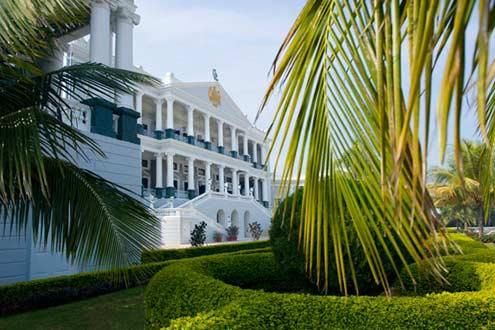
(206, 293)
(284, 240)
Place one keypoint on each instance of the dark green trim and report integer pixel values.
(221, 150)
(208, 145)
(191, 194)
(247, 158)
(101, 116)
(158, 135)
(159, 192)
(140, 129)
(191, 140)
(234, 154)
(169, 133)
(128, 128)
(170, 192)
(265, 204)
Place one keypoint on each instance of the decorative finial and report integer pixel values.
(215, 74)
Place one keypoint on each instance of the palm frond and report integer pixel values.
(360, 72)
(26, 137)
(85, 216)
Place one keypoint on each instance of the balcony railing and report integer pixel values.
(148, 192)
(199, 143)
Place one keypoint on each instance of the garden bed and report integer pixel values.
(29, 295)
(208, 293)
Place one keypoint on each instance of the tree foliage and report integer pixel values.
(467, 189)
(76, 211)
(362, 72)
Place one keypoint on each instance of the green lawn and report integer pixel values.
(119, 310)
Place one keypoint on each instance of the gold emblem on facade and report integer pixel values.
(214, 96)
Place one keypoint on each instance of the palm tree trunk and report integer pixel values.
(481, 222)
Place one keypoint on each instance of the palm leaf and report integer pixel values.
(341, 71)
(85, 216)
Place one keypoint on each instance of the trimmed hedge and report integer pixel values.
(203, 293)
(170, 254)
(473, 270)
(24, 296)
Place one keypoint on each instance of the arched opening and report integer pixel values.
(221, 217)
(247, 218)
(235, 219)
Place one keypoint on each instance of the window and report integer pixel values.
(145, 127)
(201, 171)
(145, 182)
(186, 169)
(145, 163)
(175, 167)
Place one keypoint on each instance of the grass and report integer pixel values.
(119, 310)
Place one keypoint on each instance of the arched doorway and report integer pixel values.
(247, 218)
(235, 219)
(221, 217)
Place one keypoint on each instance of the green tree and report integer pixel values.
(79, 212)
(466, 190)
(362, 71)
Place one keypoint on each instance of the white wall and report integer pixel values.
(21, 259)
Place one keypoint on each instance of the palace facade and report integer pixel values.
(184, 148)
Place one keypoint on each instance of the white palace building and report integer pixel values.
(185, 148)
(201, 158)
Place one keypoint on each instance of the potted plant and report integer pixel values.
(232, 232)
(255, 230)
(198, 234)
(217, 237)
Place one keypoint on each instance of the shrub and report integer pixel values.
(170, 254)
(232, 232)
(205, 293)
(217, 237)
(255, 230)
(471, 271)
(490, 238)
(198, 234)
(288, 254)
(24, 296)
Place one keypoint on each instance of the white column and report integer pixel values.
(207, 128)
(221, 179)
(262, 155)
(159, 170)
(170, 113)
(208, 176)
(265, 190)
(256, 190)
(170, 169)
(245, 142)
(235, 183)
(190, 120)
(158, 114)
(269, 190)
(123, 48)
(100, 32)
(190, 174)
(234, 138)
(220, 132)
(246, 184)
(139, 106)
(255, 152)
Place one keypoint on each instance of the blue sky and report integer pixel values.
(237, 37)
